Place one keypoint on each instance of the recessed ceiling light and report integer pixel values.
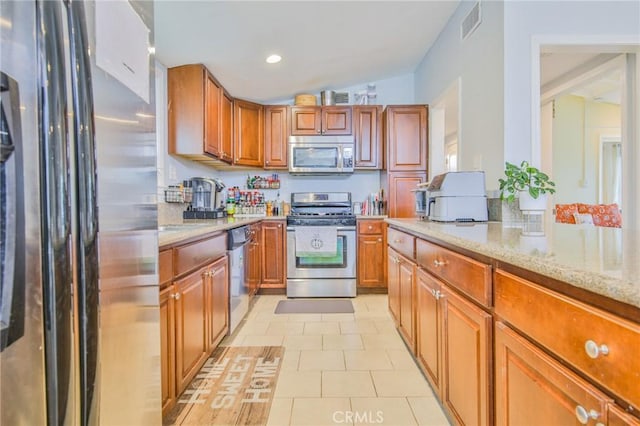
(274, 59)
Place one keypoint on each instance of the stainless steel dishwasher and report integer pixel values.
(237, 241)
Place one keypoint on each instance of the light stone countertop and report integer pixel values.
(173, 234)
(605, 261)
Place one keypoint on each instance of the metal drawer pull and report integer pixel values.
(397, 241)
(593, 350)
(176, 296)
(436, 294)
(438, 263)
(583, 415)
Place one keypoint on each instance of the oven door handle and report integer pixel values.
(339, 228)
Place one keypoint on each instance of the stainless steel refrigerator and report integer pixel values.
(79, 311)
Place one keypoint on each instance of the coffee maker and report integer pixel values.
(205, 202)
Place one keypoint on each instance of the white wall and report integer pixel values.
(578, 127)
(398, 90)
(530, 23)
(478, 61)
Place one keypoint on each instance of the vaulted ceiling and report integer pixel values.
(323, 44)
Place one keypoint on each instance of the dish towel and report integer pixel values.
(316, 241)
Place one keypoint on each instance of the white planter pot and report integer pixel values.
(528, 203)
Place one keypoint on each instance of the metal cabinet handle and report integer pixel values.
(436, 294)
(583, 415)
(593, 350)
(370, 227)
(397, 241)
(379, 240)
(266, 162)
(438, 263)
(279, 225)
(176, 296)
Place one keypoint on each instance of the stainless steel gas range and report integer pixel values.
(321, 245)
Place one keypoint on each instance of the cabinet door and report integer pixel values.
(393, 283)
(466, 360)
(429, 328)
(371, 261)
(252, 263)
(533, 388)
(167, 349)
(191, 329)
(407, 282)
(368, 152)
(186, 86)
(218, 301)
(401, 202)
(305, 120)
(273, 256)
(212, 117)
(406, 138)
(226, 128)
(275, 140)
(248, 123)
(336, 120)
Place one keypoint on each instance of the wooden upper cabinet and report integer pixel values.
(366, 130)
(212, 134)
(248, 124)
(406, 137)
(226, 127)
(336, 120)
(197, 104)
(315, 120)
(275, 137)
(401, 201)
(186, 109)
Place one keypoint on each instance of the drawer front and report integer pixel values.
(467, 275)
(401, 242)
(370, 227)
(196, 254)
(165, 266)
(575, 332)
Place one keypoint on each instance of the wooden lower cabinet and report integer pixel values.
(218, 302)
(167, 348)
(252, 263)
(454, 350)
(191, 325)
(532, 388)
(429, 328)
(273, 254)
(393, 284)
(372, 244)
(466, 359)
(401, 277)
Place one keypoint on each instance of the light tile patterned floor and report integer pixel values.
(341, 369)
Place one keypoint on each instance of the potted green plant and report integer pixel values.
(529, 183)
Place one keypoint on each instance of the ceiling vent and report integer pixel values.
(471, 22)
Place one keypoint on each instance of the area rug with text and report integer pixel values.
(234, 387)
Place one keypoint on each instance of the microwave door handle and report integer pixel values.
(340, 160)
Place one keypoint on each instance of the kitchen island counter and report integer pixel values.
(602, 261)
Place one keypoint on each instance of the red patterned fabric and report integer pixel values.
(603, 214)
(565, 213)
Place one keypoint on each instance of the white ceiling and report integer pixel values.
(324, 44)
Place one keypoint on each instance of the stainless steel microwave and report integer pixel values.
(321, 154)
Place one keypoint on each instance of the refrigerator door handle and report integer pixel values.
(57, 272)
(86, 207)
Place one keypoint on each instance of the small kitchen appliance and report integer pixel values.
(321, 154)
(206, 202)
(328, 274)
(457, 197)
